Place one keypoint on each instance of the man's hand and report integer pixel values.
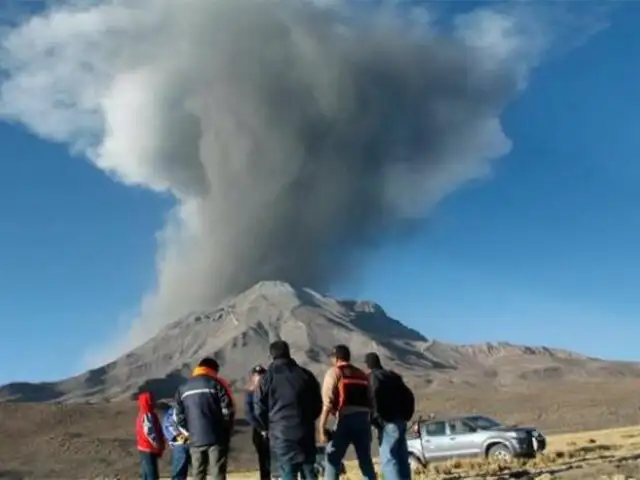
(322, 426)
(377, 422)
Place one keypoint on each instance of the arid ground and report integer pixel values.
(85, 441)
(601, 454)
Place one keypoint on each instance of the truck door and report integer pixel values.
(463, 439)
(435, 440)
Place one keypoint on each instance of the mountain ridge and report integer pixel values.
(238, 332)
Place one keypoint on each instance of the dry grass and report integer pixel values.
(600, 454)
(610, 454)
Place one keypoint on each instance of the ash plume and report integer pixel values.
(291, 134)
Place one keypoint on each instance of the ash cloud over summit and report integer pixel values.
(292, 134)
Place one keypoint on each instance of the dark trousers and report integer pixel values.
(261, 445)
(149, 466)
(294, 471)
(180, 460)
(352, 429)
(213, 458)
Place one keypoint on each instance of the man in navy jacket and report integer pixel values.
(287, 404)
(205, 411)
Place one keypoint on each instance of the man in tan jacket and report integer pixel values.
(347, 397)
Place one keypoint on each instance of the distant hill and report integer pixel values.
(239, 331)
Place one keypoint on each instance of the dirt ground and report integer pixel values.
(611, 454)
(74, 441)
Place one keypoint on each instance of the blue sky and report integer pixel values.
(543, 252)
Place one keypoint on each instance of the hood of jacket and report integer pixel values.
(199, 371)
(145, 402)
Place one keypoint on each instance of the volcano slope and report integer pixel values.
(82, 427)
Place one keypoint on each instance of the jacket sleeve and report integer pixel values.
(158, 429)
(179, 417)
(374, 385)
(314, 396)
(169, 426)
(248, 410)
(227, 403)
(227, 408)
(167, 429)
(329, 389)
(261, 403)
(149, 427)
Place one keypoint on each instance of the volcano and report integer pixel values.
(239, 331)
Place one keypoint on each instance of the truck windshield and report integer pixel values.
(483, 423)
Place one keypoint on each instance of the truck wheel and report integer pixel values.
(500, 452)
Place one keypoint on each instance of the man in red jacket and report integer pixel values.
(149, 437)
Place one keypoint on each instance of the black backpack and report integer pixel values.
(404, 402)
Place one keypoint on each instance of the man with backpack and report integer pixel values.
(394, 407)
(347, 397)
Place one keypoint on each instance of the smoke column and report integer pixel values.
(291, 134)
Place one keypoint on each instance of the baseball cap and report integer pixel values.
(258, 370)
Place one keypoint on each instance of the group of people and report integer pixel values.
(289, 412)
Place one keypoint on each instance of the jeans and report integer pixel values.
(352, 429)
(261, 445)
(180, 460)
(149, 466)
(293, 471)
(394, 454)
(215, 456)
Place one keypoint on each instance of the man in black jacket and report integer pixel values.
(394, 407)
(287, 403)
(205, 412)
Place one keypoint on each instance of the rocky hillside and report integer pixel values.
(239, 331)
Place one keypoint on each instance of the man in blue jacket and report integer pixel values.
(177, 440)
(205, 408)
(259, 437)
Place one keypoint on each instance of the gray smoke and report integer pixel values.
(292, 134)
